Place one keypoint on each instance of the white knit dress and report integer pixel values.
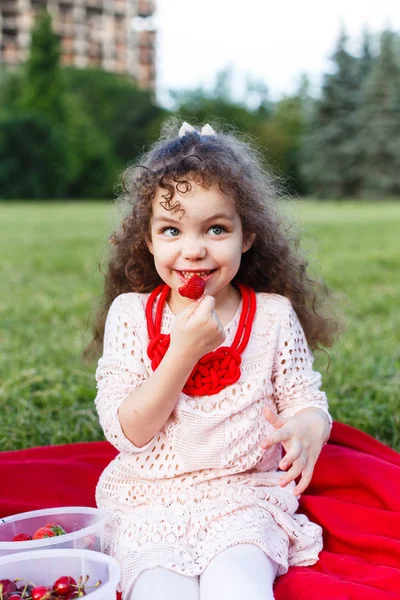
(203, 484)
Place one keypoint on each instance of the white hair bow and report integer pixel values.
(186, 128)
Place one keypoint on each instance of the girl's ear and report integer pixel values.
(248, 242)
(149, 245)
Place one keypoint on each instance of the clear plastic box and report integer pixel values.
(44, 567)
(85, 527)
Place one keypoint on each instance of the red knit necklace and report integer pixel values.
(215, 370)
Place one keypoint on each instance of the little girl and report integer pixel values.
(199, 395)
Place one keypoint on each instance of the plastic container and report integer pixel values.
(85, 527)
(44, 567)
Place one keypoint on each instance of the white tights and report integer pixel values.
(241, 571)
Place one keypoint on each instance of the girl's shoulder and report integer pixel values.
(274, 302)
(130, 303)
(272, 309)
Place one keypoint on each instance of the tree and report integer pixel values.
(42, 86)
(328, 160)
(126, 116)
(367, 58)
(32, 156)
(276, 127)
(91, 163)
(289, 119)
(379, 123)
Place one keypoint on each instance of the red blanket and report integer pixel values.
(354, 496)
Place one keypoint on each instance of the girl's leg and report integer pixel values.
(242, 571)
(163, 584)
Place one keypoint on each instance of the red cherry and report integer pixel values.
(64, 585)
(14, 596)
(7, 586)
(41, 592)
(25, 589)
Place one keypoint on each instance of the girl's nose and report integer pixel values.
(193, 249)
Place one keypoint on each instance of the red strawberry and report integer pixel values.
(194, 288)
(43, 532)
(58, 530)
(22, 537)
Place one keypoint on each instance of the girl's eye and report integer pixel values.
(220, 227)
(173, 229)
(174, 232)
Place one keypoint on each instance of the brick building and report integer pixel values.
(116, 35)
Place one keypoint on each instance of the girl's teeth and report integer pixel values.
(200, 274)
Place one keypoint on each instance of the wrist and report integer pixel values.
(325, 419)
(181, 358)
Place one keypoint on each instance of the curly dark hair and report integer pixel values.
(273, 264)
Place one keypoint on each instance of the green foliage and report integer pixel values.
(10, 90)
(366, 59)
(93, 123)
(43, 89)
(352, 143)
(277, 128)
(329, 163)
(288, 122)
(91, 165)
(379, 124)
(216, 105)
(122, 113)
(32, 158)
(346, 143)
(50, 254)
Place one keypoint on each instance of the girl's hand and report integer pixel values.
(302, 436)
(197, 329)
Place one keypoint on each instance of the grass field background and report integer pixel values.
(50, 286)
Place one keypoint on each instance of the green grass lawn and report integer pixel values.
(50, 285)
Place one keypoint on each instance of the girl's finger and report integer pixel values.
(296, 469)
(279, 436)
(305, 479)
(206, 307)
(273, 418)
(292, 454)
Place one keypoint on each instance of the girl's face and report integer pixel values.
(207, 240)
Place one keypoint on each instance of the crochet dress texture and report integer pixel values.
(203, 484)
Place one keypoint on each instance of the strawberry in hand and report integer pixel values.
(194, 288)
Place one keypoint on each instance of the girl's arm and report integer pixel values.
(132, 404)
(121, 369)
(302, 422)
(145, 410)
(296, 385)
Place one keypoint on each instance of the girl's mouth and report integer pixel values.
(186, 275)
